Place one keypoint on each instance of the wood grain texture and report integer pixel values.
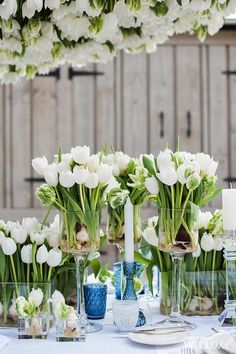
(232, 112)
(2, 103)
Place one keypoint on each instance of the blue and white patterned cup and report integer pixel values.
(95, 298)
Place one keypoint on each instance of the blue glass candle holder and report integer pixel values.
(95, 297)
(129, 270)
(118, 275)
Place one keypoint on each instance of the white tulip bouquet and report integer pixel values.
(179, 183)
(76, 184)
(38, 35)
(29, 254)
(203, 271)
(129, 180)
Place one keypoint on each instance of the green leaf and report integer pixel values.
(150, 276)
(210, 197)
(96, 267)
(141, 259)
(147, 163)
(2, 265)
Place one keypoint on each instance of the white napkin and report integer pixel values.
(3, 342)
(211, 345)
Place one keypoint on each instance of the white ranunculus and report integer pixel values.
(2, 237)
(36, 297)
(93, 163)
(81, 154)
(54, 257)
(21, 302)
(82, 235)
(8, 246)
(164, 159)
(58, 297)
(40, 165)
(152, 185)
(207, 242)
(92, 180)
(67, 179)
(30, 224)
(168, 176)
(51, 175)
(204, 219)
(104, 173)
(42, 254)
(149, 235)
(26, 254)
(80, 174)
(197, 253)
(193, 181)
(37, 237)
(19, 235)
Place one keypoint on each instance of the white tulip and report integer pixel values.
(164, 160)
(12, 309)
(34, 5)
(11, 225)
(204, 219)
(122, 160)
(80, 174)
(30, 224)
(40, 165)
(53, 239)
(80, 154)
(168, 176)
(92, 180)
(26, 254)
(54, 257)
(52, 4)
(26, 12)
(152, 185)
(104, 173)
(93, 163)
(19, 235)
(37, 237)
(207, 242)
(149, 235)
(82, 235)
(51, 175)
(58, 297)
(36, 297)
(67, 179)
(112, 184)
(152, 222)
(207, 164)
(197, 253)
(219, 243)
(8, 246)
(116, 170)
(42, 254)
(8, 8)
(2, 237)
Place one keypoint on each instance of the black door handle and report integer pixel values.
(189, 124)
(34, 179)
(162, 117)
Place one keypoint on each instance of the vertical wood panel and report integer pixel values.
(44, 119)
(2, 191)
(64, 111)
(162, 125)
(188, 97)
(8, 147)
(21, 144)
(105, 107)
(232, 102)
(118, 129)
(205, 143)
(135, 104)
(218, 112)
(84, 110)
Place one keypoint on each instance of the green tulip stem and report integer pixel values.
(14, 273)
(49, 274)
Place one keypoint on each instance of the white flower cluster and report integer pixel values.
(38, 35)
(211, 226)
(29, 233)
(183, 167)
(77, 167)
(31, 306)
(62, 311)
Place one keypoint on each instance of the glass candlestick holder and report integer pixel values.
(129, 269)
(228, 316)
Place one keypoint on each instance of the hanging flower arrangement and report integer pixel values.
(38, 35)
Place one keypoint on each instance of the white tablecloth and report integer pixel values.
(107, 341)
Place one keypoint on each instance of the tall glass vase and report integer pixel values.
(178, 235)
(80, 236)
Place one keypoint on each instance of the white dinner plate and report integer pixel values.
(228, 344)
(158, 339)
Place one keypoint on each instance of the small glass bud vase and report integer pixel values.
(71, 330)
(36, 327)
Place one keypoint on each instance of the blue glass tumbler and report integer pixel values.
(95, 297)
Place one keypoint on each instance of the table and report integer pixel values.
(107, 341)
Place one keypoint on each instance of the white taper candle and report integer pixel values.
(229, 209)
(129, 232)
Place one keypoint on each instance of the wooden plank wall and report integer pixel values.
(141, 103)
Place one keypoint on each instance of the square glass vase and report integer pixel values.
(71, 330)
(36, 327)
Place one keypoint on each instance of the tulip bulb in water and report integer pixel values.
(82, 235)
